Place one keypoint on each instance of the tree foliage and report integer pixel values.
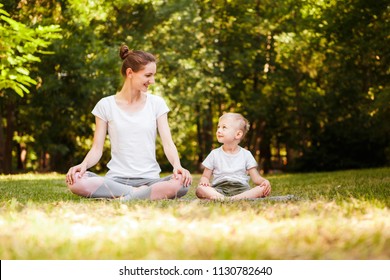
(19, 47)
(311, 76)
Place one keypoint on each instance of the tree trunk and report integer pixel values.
(199, 136)
(204, 125)
(265, 153)
(21, 159)
(208, 128)
(2, 143)
(262, 146)
(8, 139)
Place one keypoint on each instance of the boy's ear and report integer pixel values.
(239, 134)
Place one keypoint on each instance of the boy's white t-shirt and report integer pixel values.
(230, 167)
(132, 137)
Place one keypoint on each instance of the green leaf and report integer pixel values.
(22, 70)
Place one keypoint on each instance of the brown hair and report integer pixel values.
(243, 123)
(136, 60)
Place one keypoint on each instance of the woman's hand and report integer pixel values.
(186, 175)
(81, 168)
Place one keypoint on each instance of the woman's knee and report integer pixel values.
(74, 188)
(78, 188)
(182, 191)
(174, 188)
(176, 182)
(177, 178)
(85, 186)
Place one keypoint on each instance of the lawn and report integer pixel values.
(333, 215)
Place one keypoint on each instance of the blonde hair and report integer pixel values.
(243, 123)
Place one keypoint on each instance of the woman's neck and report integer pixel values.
(129, 95)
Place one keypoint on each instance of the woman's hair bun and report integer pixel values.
(124, 52)
(134, 59)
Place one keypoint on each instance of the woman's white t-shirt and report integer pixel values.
(132, 137)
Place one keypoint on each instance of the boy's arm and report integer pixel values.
(205, 179)
(259, 181)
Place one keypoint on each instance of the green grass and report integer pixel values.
(335, 215)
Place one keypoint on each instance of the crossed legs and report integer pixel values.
(203, 192)
(91, 185)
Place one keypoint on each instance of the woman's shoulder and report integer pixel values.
(158, 103)
(106, 100)
(155, 98)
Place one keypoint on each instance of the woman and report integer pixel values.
(131, 117)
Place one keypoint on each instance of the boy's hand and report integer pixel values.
(267, 187)
(204, 184)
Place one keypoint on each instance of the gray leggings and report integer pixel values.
(124, 187)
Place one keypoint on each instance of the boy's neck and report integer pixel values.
(231, 148)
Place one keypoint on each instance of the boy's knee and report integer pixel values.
(199, 191)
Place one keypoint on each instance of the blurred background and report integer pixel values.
(312, 77)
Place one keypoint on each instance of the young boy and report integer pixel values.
(230, 165)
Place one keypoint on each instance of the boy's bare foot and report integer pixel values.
(255, 192)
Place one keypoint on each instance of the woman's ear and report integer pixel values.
(129, 72)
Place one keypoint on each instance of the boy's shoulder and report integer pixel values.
(244, 150)
(220, 150)
(214, 152)
(248, 154)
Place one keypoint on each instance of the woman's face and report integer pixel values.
(145, 77)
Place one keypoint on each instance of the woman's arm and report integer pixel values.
(170, 149)
(94, 154)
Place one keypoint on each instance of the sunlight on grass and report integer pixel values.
(322, 224)
(195, 230)
(33, 176)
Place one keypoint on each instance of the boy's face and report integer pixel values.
(228, 131)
